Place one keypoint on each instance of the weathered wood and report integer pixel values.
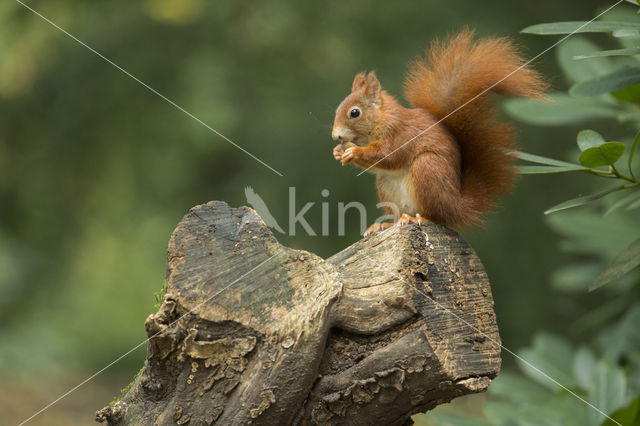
(251, 332)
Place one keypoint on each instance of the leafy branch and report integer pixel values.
(603, 88)
(595, 152)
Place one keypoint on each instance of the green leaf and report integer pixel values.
(595, 318)
(579, 201)
(626, 15)
(625, 201)
(613, 52)
(578, 71)
(587, 232)
(551, 355)
(634, 147)
(631, 116)
(608, 392)
(442, 418)
(603, 155)
(626, 33)
(628, 94)
(584, 363)
(623, 339)
(536, 170)
(542, 160)
(624, 76)
(629, 415)
(561, 109)
(589, 139)
(634, 205)
(560, 409)
(627, 260)
(574, 277)
(518, 388)
(526, 403)
(580, 27)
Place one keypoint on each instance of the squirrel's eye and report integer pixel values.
(354, 113)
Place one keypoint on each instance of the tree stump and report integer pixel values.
(251, 332)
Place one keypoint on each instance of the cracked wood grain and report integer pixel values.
(366, 336)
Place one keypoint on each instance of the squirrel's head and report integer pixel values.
(357, 116)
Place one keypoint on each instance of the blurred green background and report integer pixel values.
(96, 171)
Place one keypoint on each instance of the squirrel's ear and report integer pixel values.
(358, 82)
(372, 88)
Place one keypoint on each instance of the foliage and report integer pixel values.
(617, 84)
(560, 383)
(158, 297)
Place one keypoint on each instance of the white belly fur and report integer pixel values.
(397, 188)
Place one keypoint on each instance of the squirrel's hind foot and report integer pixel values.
(404, 219)
(377, 227)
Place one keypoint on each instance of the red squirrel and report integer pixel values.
(445, 160)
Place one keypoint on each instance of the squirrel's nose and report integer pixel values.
(336, 135)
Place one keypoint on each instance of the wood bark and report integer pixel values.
(252, 332)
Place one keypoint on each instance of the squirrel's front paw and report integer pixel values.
(350, 154)
(337, 152)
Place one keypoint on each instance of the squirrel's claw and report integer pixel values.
(337, 152)
(377, 227)
(406, 219)
(349, 155)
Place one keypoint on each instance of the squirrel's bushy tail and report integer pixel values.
(454, 82)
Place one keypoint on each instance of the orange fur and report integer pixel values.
(453, 172)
